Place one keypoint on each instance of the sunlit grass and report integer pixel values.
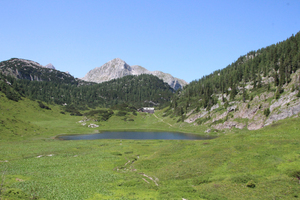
(36, 166)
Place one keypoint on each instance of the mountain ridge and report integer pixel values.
(118, 68)
(33, 71)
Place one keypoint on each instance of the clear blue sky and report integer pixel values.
(186, 38)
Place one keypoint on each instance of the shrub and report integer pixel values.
(202, 120)
(72, 110)
(226, 104)
(278, 92)
(101, 115)
(293, 87)
(277, 95)
(267, 112)
(43, 105)
(121, 113)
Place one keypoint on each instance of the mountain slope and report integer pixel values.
(33, 71)
(256, 90)
(118, 68)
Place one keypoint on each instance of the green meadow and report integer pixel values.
(238, 164)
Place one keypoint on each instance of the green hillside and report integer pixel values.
(26, 119)
(251, 107)
(239, 164)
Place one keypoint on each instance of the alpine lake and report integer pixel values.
(135, 135)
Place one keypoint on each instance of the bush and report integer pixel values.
(277, 95)
(267, 112)
(101, 115)
(278, 92)
(226, 104)
(43, 105)
(121, 113)
(72, 110)
(202, 120)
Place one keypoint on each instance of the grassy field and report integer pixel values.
(239, 164)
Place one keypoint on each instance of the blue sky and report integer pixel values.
(188, 39)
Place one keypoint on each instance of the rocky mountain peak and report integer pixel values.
(117, 68)
(113, 69)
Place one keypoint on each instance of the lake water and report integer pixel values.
(136, 136)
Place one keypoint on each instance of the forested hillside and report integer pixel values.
(257, 90)
(142, 90)
(277, 62)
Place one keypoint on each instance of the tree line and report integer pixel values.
(142, 90)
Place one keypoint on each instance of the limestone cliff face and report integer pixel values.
(118, 68)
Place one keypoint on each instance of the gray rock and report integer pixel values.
(229, 125)
(218, 117)
(231, 108)
(118, 68)
(49, 66)
(283, 100)
(208, 131)
(214, 107)
(193, 118)
(256, 124)
(283, 113)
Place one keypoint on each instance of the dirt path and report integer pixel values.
(162, 120)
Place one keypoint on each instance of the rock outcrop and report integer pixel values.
(49, 66)
(252, 113)
(118, 68)
(286, 106)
